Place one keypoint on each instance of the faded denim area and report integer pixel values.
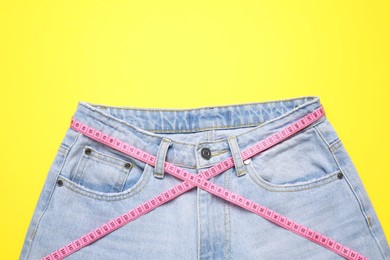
(308, 178)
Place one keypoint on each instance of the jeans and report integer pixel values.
(309, 178)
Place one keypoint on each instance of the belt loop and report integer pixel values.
(161, 157)
(235, 150)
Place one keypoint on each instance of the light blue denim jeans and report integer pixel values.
(308, 177)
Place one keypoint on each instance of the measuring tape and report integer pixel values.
(201, 180)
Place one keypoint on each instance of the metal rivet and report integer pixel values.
(59, 183)
(340, 175)
(206, 153)
(247, 161)
(127, 165)
(88, 151)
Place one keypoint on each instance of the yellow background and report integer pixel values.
(185, 54)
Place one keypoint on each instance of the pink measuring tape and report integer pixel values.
(201, 180)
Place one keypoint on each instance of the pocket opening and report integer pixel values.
(103, 196)
(297, 186)
(95, 168)
(302, 161)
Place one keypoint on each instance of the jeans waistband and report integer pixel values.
(189, 130)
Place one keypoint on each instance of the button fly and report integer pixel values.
(206, 153)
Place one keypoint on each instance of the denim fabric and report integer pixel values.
(298, 178)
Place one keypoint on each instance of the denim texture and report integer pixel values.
(298, 178)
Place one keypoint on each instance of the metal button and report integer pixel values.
(340, 175)
(88, 151)
(206, 153)
(59, 183)
(127, 165)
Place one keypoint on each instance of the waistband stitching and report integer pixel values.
(87, 104)
(145, 132)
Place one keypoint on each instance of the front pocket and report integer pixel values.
(304, 185)
(303, 161)
(102, 172)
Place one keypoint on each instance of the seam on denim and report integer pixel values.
(121, 177)
(199, 224)
(185, 166)
(329, 144)
(322, 137)
(226, 183)
(85, 192)
(206, 128)
(78, 174)
(65, 150)
(129, 174)
(292, 188)
(53, 187)
(270, 121)
(197, 157)
(124, 180)
(104, 161)
(89, 104)
(164, 155)
(255, 125)
(229, 222)
(106, 158)
(360, 205)
(224, 221)
(157, 163)
(62, 146)
(295, 134)
(182, 165)
(96, 197)
(219, 152)
(335, 145)
(149, 132)
(236, 154)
